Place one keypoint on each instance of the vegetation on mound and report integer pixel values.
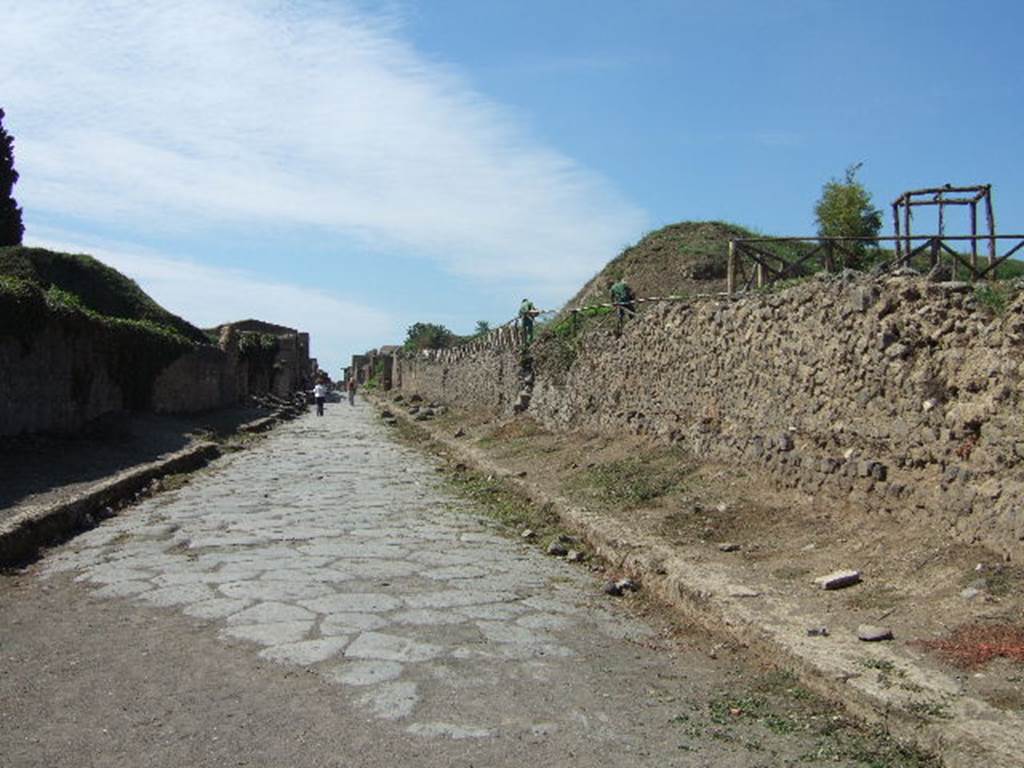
(680, 259)
(140, 348)
(95, 286)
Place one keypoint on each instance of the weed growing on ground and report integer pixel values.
(633, 482)
(776, 703)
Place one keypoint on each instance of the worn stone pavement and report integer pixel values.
(320, 599)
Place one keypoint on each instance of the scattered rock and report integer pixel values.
(460, 467)
(460, 432)
(574, 556)
(970, 593)
(870, 633)
(741, 591)
(557, 549)
(612, 588)
(838, 579)
(817, 632)
(729, 546)
(386, 414)
(521, 474)
(627, 585)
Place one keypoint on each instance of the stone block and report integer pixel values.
(838, 579)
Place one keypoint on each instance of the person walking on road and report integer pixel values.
(526, 314)
(351, 387)
(320, 395)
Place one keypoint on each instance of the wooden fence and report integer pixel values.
(760, 261)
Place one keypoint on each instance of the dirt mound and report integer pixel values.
(681, 259)
(94, 285)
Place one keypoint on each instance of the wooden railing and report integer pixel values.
(759, 261)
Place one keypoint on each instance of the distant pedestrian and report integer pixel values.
(351, 387)
(526, 314)
(320, 395)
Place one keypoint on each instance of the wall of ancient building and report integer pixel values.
(896, 394)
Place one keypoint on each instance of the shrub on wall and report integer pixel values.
(138, 350)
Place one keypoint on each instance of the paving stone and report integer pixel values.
(365, 672)
(217, 608)
(366, 602)
(280, 591)
(382, 647)
(123, 589)
(270, 634)
(184, 594)
(392, 701)
(305, 652)
(455, 598)
(271, 613)
(350, 623)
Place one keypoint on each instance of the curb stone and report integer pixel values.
(22, 536)
(971, 735)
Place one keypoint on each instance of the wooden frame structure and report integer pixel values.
(972, 196)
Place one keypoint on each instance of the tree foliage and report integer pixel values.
(428, 336)
(11, 227)
(845, 209)
(482, 328)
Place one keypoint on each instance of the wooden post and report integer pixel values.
(906, 230)
(974, 241)
(896, 231)
(730, 273)
(759, 273)
(934, 251)
(991, 228)
(830, 265)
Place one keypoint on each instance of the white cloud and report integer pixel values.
(155, 114)
(208, 296)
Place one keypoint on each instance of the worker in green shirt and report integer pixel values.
(622, 298)
(526, 314)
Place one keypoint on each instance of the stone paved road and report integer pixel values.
(321, 593)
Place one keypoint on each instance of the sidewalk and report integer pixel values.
(54, 486)
(894, 683)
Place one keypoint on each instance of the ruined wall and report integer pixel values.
(898, 395)
(198, 381)
(69, 371)
(57, 381)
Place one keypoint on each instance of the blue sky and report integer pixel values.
(351, 167)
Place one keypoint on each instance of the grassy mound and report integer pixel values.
(680, 259)
(95, 286)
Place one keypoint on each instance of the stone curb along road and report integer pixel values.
(22, 536)
(964, 731)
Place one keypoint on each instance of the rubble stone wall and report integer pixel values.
(898, 394)
(58, 379)
(55, 382)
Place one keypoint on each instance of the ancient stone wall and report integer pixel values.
(56, 381)
(899, 395)
(59, 378)
(197, 381)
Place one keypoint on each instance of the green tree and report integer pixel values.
(428, 336)
(845, 210)
(482, 328)
(11, 227)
